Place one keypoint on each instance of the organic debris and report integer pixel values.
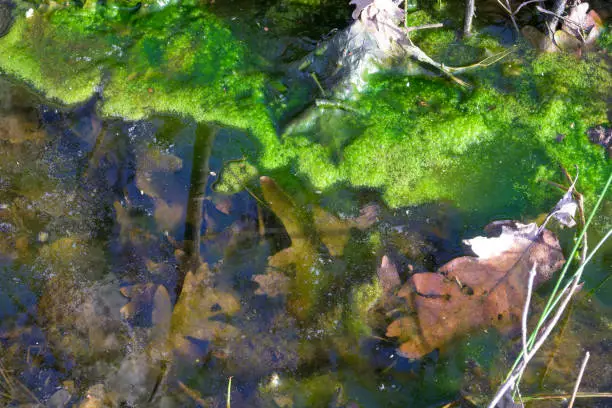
(580, 31)
(304, 260)
(200, 316)
(471, 292)
(602, 136)
(272, 284)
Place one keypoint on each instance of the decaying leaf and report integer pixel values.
(168, 216)
(201, 315)
(307, 232)
(272, 284)
(566, 42)
(141, 300)
(234, 176)
(381, 19)
(302, 255)
(579, 19)
(471, 292)
(580, 30)
(566, 207)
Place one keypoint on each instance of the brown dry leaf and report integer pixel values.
(272, 284)
(471, 292)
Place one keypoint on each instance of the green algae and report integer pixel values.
(485, 149)
(416, 139)
(178, 60)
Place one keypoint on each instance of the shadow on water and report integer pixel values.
(128, 280)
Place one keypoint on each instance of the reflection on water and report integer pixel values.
(130, 279)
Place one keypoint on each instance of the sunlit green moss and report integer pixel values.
(28, 60)
(179, 60)
(486, 148)
(235, 175)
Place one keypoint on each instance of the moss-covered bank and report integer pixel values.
(417, 139)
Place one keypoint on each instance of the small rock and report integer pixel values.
(60, 399)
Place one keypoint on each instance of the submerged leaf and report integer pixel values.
(272, 284)
(201, 315)
(471, 292)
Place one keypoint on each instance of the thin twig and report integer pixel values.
(580, 198)
(424, 27)
(314, 77)
(193, 394)
(508, 8)
(579, 379)
(229, 393)
(532, 275)
(567, 20)
(544, 397)
(526, 3)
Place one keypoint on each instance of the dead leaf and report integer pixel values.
(578, 17)
(381, 18)
(222, 203)
(509, 235)
(272, 284)
(303, 255)
(141, 300)
(566, 208)
(582, 26)
(334, 232)
(359, 6)
(154, 159)
(202, 314)
(471, 292)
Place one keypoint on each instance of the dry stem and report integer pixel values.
(579, 379)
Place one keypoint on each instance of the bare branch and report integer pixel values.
(526, 3)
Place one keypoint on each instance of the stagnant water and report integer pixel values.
(146, 263)
(96, 215)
